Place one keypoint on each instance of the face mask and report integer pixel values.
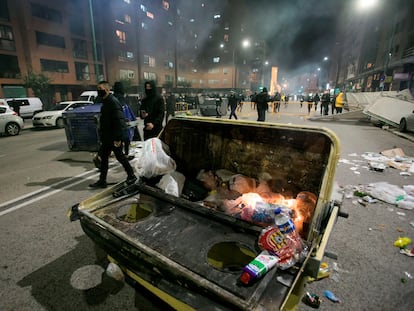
(101, 93)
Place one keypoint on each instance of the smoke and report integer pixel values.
(299, 33)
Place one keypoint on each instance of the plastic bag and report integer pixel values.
(154, 160)
(172, 183)
(386, 192)
(115, 272)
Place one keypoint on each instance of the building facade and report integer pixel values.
(77, 43)
(375, 48)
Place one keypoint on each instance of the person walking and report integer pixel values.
(333, 99)
(316, 100)
(112, 130)
(253, 100)
(286, 100)
(152, 110)
(309, 99)
(119, 93)
(262, 100)
(171, 102)
(232, 104)
(326, 98)
(276, 104)
(339, 102)
(218, 106)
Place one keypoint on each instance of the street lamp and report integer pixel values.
(245, 44)
(264, 65)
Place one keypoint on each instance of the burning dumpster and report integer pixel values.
(190, 250)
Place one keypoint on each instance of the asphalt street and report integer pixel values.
(368, 272)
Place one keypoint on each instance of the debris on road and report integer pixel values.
(331, 296)
(311, 300)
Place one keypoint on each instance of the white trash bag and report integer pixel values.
(172, 183)
(154, 159)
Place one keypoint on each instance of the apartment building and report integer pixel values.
(76, 43)
(375, 48)
(53, 38)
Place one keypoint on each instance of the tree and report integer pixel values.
(40, 85)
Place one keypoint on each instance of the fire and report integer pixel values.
(246, 207)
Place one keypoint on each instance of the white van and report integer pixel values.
(26, 107)
(88, 96)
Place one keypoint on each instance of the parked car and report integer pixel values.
(25, 107)
(53, 117)
(88, 95)
(10, 122)
(407, 123)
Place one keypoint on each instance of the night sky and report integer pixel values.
(300, 33)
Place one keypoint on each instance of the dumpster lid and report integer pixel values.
(93, 108)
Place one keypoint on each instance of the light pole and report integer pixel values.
(264, 65)
(245, 44)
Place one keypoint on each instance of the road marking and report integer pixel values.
(37, 198)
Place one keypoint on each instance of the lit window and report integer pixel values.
(165, 5)
(150, 15)
(143, 8)
(168, 64)
(121, 36)
(217, 16)
(127, 18)
(144, 26)
(216, 60)
(127, 1)
(149, 60)
(129, 55)
(150, 75)
(126, 74)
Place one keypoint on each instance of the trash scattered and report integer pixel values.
(115, 272)
(409, 189)
(360, 193)
(361, 201)
(404, 204)
(368, 199)
(311, 300)
(402, 242)
(394, 158)
(385, 192)
(336, 271)
(406, 251)
(377, 166)
(412, 224)
(408, 275)
(322, 273)
(331, 296)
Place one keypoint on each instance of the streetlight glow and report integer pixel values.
(366, 4)
(246, 43)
